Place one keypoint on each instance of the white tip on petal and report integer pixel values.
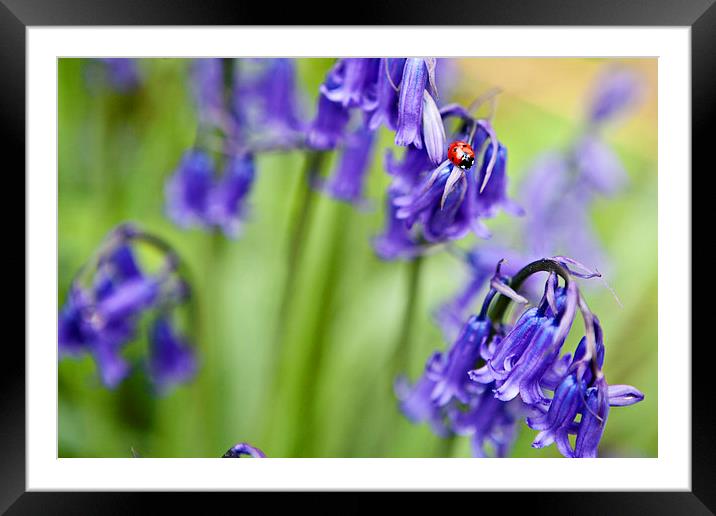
(433, 129)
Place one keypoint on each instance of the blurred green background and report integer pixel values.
(332, 382)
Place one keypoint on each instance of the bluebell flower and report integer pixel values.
(196, 197)
(416, 401)
(386, 111)
(187, 191)
(347, 181)
(410, 102)
(327, 128)
(450, 370)
(171, 359)
(396, 241)
(121, 74)
(488, 421)
(227, 205)
(617, 90)
(236, 451)
(530, 349)
(352, 83)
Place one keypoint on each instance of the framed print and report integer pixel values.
(409, 255)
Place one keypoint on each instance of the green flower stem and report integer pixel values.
(402, 349)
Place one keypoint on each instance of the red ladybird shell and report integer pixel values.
(458, 151)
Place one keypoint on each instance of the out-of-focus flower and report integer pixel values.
(238, 450)
(396, 241)
(119, 74)
(196, 197)
(171, 359)
(102, 317)
(347, 180)
(617, 90)
(488, 421)
(416, 402)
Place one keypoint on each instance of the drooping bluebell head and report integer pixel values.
(227, 201)
(328, 127)
(347, 181)
(171, 359)
(353, 82)
(410, 102)
(386, 111)
(243, 449)
(102, 311)
(530, 349)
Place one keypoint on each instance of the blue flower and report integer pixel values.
(410, 102)
(327, 129)
(396, 241)
(416, 401)
(347, 180)
(207, 80)
(171, 359)
(195, 197)
(386, 112)
(102, 318)
(530, 349)
(236, 451)
(488, 421)
(616, 91)
(122, 74)
(450, 371)
(352, 83)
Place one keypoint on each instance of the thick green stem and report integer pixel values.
(402, 349)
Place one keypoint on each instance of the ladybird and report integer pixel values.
(461, 154)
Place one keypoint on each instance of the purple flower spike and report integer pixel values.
(227, 204)
(347, 181)
(410, 103)
(328, 127)
(386, 113)
(235, 452)
(450, 373)
(189, 188)
(171, 360)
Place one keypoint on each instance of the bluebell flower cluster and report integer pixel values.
(558, 193)
(243, 449)
(245, 107)
(107, 301)
(436, 204)
(497, 373)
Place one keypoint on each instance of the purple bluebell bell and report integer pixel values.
(416, 401)
(196, 197)
(433, 129)
(352, 83)
(397, 241)
(386, 111)
(171, 359)
(187, 191)
(328, 127)
(347, 181)
(617, 90)
(241, 449)
(489, 422)
(227, 201)
(529, 350)
(410, 102)
(450, 370)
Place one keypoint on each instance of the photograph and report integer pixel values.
(357, 257)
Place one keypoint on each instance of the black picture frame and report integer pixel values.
(17, 15)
